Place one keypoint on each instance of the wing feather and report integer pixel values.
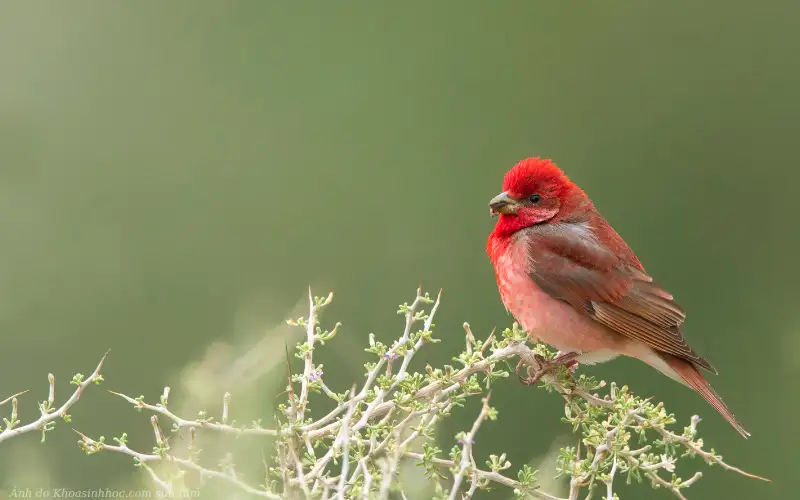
(567, 262)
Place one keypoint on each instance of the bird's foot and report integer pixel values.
(568, 360)
(533, 375)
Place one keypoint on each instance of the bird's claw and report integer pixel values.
(567, 359)
(524, 378)
(533, 375)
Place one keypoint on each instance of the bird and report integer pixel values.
(572, 282)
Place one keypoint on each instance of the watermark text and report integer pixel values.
(97, 493)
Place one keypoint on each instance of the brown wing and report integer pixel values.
(569, 266)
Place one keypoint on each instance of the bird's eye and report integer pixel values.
(534, 198)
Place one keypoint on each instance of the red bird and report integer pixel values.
(571, 281)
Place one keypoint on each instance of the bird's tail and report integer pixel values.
(691, 377)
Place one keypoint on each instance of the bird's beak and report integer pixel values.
(502, 204)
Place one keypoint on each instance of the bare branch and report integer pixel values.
(49, 414)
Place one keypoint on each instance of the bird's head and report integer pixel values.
(535, 191)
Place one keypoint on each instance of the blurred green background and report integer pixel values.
(174, 174)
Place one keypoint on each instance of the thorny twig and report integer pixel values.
(143, 459)
(467, 460)
(48, 413)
